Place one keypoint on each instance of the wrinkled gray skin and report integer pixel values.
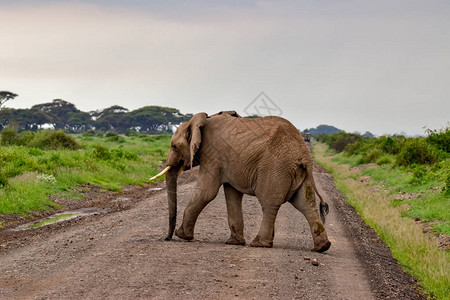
(264, 157)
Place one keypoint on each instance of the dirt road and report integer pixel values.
(122, 255)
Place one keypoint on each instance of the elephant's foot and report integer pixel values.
(180, 233)
(322, 247)
(235, 241)
(258, 243)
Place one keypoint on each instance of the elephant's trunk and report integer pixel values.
(171, 184)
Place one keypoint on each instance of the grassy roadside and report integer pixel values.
(417, 252)
(29, 173)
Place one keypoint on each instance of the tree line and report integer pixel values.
(60, 114)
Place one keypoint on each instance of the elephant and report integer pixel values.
(263, 157)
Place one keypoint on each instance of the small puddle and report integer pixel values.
(155, 189)
(63, 216)
(121, 199)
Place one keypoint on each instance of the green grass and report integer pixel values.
(432, 206)
(416, 251)
(29, 175)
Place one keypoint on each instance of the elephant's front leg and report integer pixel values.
(235, 218)
(266, 231)
(204, 192)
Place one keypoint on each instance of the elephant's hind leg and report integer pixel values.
(304, 201)
(266, 231)
(235, 218)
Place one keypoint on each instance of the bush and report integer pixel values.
(111, 134)
(321, 137)
(116, 138)
(101, 152)
(36, 152)
(54, 140)
(354, 148)
(419, 174)
(131, 132)
(120, 153)
(89, 133)
(446, 188)
(338, 141)
(389, 145)
(373, 155)
(9, 136)
(25, 137)
(3, 180)
(440, 139)
(417, 151)
(384, 160)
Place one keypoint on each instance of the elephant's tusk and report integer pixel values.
(181, 170)
(162, 173)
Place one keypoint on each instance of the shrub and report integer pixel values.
(54, 140)
(101, 152)
(9, 136)
(89, 133)
(354, 148)
(147, 138)
(25, 137)
(123, 154)
(389, 145)
(440, 139)
(3, 180)
(131, 132)
(384, 160)
(417, 151)
(338, 141)
(321, 137)
(419, 174)
(446, 188)
(36, 152)
(116, 138)
(373, 155)
(111, 134)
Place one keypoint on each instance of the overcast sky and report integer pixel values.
(380, 66)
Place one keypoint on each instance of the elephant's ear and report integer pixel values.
(195, 125)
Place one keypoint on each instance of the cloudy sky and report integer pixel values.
(381, 66)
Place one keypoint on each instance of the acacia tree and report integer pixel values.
(154, 118)
(112, 118)
(5, 96)
(23, 119)
(65, 115)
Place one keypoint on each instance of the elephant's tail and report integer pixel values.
(323, 206)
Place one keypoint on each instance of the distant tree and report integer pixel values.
(154, 118)
(79, 121)
(37, 118)
(5, 117)
(23, 119)
(65, 115)
(112, 118)
(5, 96)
